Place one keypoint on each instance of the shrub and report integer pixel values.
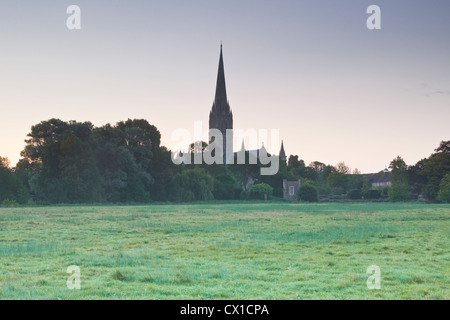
(355, 194)
(245, 195)
(260, 191)
(9, 203)
(308, 193)
(372, 194)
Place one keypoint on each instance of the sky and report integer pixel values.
(334, 89)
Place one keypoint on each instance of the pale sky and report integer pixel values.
(336, 90)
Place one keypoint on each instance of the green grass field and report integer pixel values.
(226, 251)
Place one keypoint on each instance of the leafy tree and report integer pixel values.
(444, 189)
(366, 185)
(260, 191)
(297, 167)
(355, 182)
(342, 168)
(426, 175)
(337, 182)
(162, 169)
(11, 187)
(399, 171)
(400, 190)
(224, 187)
(444, 147)
(192, 185)
(124, 156)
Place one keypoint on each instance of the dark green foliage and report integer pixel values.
(308, 192)
(276, 181)
(400, 190)
(11, 203)
(224, 187)
(11, 186)
(426, 175)
(193, 185)
(444, 189)
(74, 162)
(260, 191)
(337, 182)
(355, 194)
(399, 193)
(372, 194)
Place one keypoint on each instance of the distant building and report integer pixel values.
(291, 189)
(221, 117)
(380, 179)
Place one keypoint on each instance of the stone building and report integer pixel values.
(221, 116)
(291, 189)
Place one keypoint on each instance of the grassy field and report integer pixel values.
(226, 251)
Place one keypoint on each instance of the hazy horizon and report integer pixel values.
(335, 90)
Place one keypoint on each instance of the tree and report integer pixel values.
(342, 168)
(260, 191)
(193, 185)
(296, 167)
(444, 189)
(224, 187)
(444, 147)
(75, 162)
(400, 189)
(11, 187)
(399, 171)
(399, 192)
(426, 175)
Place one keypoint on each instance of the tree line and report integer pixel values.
(76, 162)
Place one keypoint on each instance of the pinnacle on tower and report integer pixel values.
(282, 152)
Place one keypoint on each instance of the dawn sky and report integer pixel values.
(336, 90)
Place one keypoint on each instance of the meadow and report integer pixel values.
(226, 251)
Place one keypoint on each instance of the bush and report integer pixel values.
(308, 193)
(260, 191)
(9, 203)
(224, 187)
(444, 189)
(245, 195)
(372, 194)
(355, 194)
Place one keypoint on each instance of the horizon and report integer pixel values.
(336, 90)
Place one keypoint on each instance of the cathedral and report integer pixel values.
(221, 116)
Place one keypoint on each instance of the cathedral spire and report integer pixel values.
(282, 152)
(221, 117)
(221, 91)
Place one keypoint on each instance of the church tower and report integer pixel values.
(221, 116)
